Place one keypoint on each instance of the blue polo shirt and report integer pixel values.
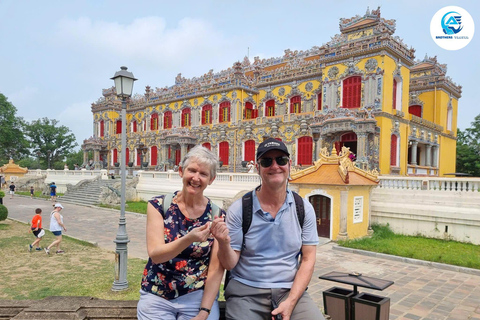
(269, 257)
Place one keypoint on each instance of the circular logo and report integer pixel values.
(452, 28)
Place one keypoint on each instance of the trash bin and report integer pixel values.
(367, 306)
(337, 303)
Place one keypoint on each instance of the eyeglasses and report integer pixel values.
(267, 162)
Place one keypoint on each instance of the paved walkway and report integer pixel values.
(420, 291)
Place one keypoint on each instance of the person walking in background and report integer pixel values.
(53, 192)
(56, 226)
(36, 229)
(12, 189)
(32, 191)
(273, 262)
(181, 250)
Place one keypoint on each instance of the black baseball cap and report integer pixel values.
(271, 144)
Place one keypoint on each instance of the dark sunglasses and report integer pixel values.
(267, 162)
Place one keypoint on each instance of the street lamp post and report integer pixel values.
(124, 87)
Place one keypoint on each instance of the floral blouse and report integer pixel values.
(186, 272)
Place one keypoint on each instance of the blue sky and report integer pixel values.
(57, 56)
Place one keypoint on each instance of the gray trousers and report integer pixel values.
(249, 303)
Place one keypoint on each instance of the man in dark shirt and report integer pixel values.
(12, 190)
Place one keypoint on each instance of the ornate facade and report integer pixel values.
(363, 90)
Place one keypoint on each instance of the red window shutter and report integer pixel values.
(134, 126)
(319, 101)
(393, 151)
(153, 155)
(224, 152)
(138, 157)
(270, 108)
(203, 115)
(207, 145)
(416, 110)
(115, 155)
(352, 92)
(305, 147)
(119, 126)
(127, 155)
(102, 128)
(177, 156)
(249, 150)
(167, 121)
(293, 101)
(255, 113)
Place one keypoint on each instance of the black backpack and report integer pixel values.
(247, 216)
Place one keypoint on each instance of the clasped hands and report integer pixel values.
(217, 228)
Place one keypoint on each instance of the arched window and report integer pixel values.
(207, 114)
(153, 155)
(207, 145)
(394, 151)
(224, 152)
(102, 128)
(134, 126)
(154, 122)
(416, 110)
(249, 113)
(249, 150)
(352, 94)
(449, 118)
(296, 104)
(224, 112)
(305, 147)
(167, 120)
(394, 104)
(270, 108)
(115, 156)
(119, 127)
(186, 117)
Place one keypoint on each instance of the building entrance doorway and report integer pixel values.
(348, 140)
(322, 207)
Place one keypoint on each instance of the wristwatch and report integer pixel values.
(205, 309)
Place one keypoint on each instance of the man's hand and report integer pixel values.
(199, 234)
(220, 231)
(285, 309)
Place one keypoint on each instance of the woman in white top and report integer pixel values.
(56, 226)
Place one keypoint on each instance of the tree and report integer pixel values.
(50, 143)
(75, 157)
(468, 149)
(12, 139)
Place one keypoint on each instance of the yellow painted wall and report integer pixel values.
(354, 230)
(447, 156)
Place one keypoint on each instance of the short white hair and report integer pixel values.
(202, 155)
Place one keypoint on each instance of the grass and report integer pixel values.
(132, 206)
(384, 240)
(84, 270)
(36, 194)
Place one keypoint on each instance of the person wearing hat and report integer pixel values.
(56, 226)
(267, 279)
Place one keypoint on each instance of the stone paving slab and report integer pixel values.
(421, 291)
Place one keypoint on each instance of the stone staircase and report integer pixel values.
(87, 193)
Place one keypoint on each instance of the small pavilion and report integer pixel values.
(12, 171)
(340, 193)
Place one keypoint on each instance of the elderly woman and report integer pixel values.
(181, 248)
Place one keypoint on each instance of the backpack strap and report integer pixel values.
(300, 208)
(167, 201)
(247, 214)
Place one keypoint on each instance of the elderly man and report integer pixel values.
(267, 276)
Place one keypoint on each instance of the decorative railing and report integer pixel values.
(221, 177)
(430, 183)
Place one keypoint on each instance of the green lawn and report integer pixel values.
(435, 250)
(132, 206)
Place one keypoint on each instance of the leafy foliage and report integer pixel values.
(12, 140)
(3, 212)
(50, 143)
(468, 149)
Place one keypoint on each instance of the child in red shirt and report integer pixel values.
(37, 230)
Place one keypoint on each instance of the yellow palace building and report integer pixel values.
(364, 90)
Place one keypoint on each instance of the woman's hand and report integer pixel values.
(199, 234)
(202, 315)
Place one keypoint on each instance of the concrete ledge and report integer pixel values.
(68, 308)
(437, 265)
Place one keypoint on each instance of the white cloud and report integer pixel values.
(147, 38)
(78, 118)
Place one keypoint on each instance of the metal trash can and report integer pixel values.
(337, 303)
(366, 306)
